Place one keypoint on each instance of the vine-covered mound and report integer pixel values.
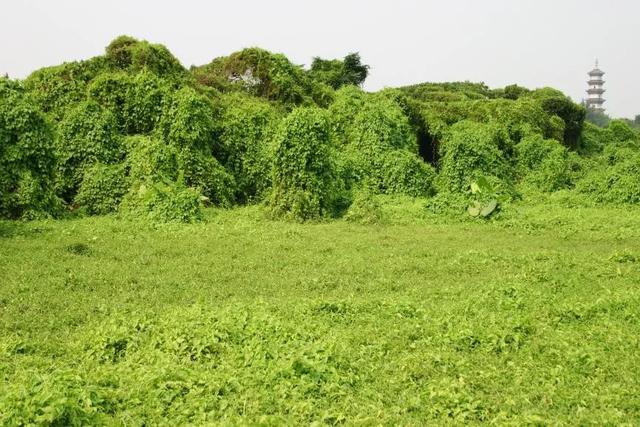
(135, 132)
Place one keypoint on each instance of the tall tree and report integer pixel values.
(337, 73)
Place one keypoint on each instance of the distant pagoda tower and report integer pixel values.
(596, 90)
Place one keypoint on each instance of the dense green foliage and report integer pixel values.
(543, 163)
(86, 135)
(27, 158)
(304, 171)
(227, 131)
(531, 319)
(246, 128)
(263, 74)
(127, 53)
(336, 73)
(102, 189)
(470, 150)
(471, 255)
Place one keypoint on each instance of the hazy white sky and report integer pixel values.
(534, 43)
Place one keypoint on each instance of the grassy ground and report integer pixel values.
(533, 318)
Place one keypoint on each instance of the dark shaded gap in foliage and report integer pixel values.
(427, 146)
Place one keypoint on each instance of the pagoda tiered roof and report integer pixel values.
(595, 90)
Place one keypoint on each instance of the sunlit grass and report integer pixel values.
(529, 318)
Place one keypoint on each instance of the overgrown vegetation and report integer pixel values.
(470, 255)
(225, 130)
(392, 317)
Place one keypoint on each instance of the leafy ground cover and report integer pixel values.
(414, 318)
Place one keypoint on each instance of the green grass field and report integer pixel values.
(531, 318)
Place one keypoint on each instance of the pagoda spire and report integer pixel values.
(595, 90)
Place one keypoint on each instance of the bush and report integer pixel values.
(164, 202)
(337, 73)
(246, 128)
(470, 150)
(119, 51)
(622, 131)
(151, 160)
(616, 180)
(382, 149)
(27, 158)
(87, 135)
(593, 139)
(556, 103)
(188, 122)
(346, 105)
(543, 164)
(304, 174)
(380, 125)
(144, 103)
(56, 89)
(267, 75)
(136, 101)
(110, 91)
(208, 175)
(188, 125)
(127, 53)
(405, 173)
(102, 189)
(365, 209)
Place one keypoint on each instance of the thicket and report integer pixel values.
(134, 132)
(304, 167)
(613, 175)
(27, 156)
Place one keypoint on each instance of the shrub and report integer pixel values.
(137, 101)
(111, 92)
(127, 53)
(365, 209)
(164, 202)
(543, 164)
(246, 128)
(556, 103)
(618, 152)
(382, 150)
(346, 105)
(516, 119)
(615, 182)
(304, 172)
(515, 92)
(56, 89)
(405, 173)
(593, 139)
(157, 59)
(622, 131)
(337, 73)
(469, 150)
(118, 52)
(145, 101)
(87, 135)
(208, 175)
(261, 73)
(188, 122)
(102, 189)
(381, 125)
(150, 159)
(27, 158)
